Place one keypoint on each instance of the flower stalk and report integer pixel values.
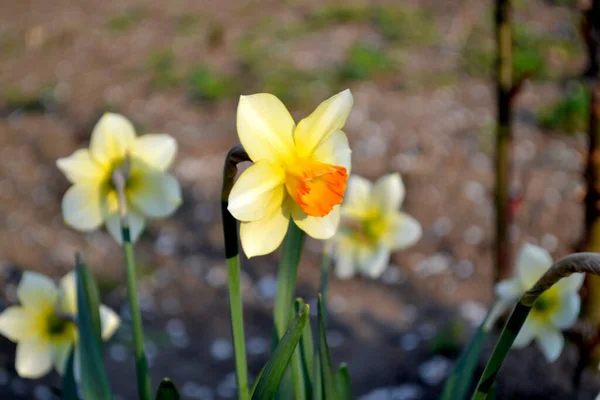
(236, 155)
(141, 362)
(574, 263)
(504, 93)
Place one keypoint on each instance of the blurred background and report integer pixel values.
(421, 75)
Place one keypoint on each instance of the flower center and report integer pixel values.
(56, 325)
(317, 187)
(367, 228)
(546, 304)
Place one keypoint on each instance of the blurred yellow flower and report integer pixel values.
(43, 325)
(299, 172)
(556, 309)
(372, 226)
(150, 190)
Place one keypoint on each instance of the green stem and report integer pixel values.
(141, 363)
(286, 279)
(236, 155)
(503, 346)
(325, 263)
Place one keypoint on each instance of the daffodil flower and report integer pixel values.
(372, 226)
(556, 309)
(43, 325)
(299, 172)
(150, 190)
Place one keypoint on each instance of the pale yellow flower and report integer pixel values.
(150, 190)
(42, 325)
(556, 309)
(299, 172)
(372, 226)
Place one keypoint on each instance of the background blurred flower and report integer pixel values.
(372, 226)
(43, 325)
(298, 172)
(557, 308)
(150, 190)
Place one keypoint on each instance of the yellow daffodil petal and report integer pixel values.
(388, 192)
(82, 206)
(567, 312)
(113, 137)
(79, 167)
(377, 262)
(37, 292)
(34, 357)
(357, 199)
(265, 127)
(155, 194)
(317, 227)
(329, 117)
(264, 235)
(335, 150)
(61, 349)
(404, 231)
(551, 342)
(109, 320)
(532, 262)
(16, 323)
(257, 191)
(136, 225)
(156, 150)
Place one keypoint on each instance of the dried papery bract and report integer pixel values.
(235, 156)
(574, 263)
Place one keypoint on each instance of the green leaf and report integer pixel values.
(94, 382)
(277, 365)
(300, 376)
(344, 385)
(327, 374)
(167, 390)
(69, 386)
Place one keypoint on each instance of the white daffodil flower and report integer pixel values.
(372, 226)
(556, 309)
(43, 325)
(150, 191)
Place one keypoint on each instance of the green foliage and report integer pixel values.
(167, 390)
(94, 382)
(186, 24)
(270, 377)
(404, 25)
(128, 19)
(364, 62)
(570, 113)
(206, 84)
(344, 385)
(161, 64)
(69, 385)
(43, 100)
(447, 340)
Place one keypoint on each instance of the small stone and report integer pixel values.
(464, 269)
(435, 370)
(196, 391)
(267, 286)
(42, 392)
(227, 387)
(221, 349)
(165, 245)
(117, 352)
(409, 341)
(473, 312)
(442, 226)
(549, 242)
(473, 235)
(175, 328)
(335, 339)
(407, 391)
(216, 277)
(171, 305)
(257, 345)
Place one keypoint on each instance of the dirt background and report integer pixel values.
(424, 106)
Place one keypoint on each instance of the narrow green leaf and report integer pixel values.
(167, 390)
(69, 386)
(327, 374)
(277, 365)
(299, 379)
(286, 278)
(306, 351)
(344, 385)
(94, 382)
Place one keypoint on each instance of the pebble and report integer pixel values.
(394, 275)
(267, 286)
(42, 392)
(117, 352)
(473, 311)
(407, 391)
(473, 235)
(434, 371)
(216, 276)
(409, 341)
(257, 345)
(227, 387)
(196, 391)
(442, 226)
(221, 349)
(335, 338)
(464, 269)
